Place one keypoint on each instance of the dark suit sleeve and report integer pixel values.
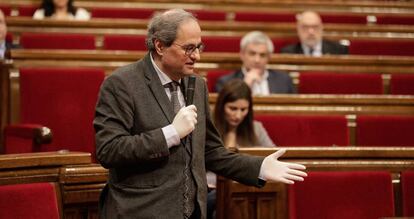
(114, 118)
(240, 167)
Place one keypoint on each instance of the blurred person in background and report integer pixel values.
(60, 10)
(309, 28)
(256, 49)
(233, 118)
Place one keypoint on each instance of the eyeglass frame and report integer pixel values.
(189, 49)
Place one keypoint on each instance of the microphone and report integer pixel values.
(190, 90)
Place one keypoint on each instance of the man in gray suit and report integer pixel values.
(256, 48)
(310, 32)
(157, 155)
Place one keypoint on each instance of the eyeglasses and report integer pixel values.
(189, 49)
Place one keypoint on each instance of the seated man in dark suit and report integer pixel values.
(310, 32)
(255, 51)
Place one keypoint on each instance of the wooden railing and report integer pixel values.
(100, 27)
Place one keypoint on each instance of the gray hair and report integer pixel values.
(256, 37)
(163, 26)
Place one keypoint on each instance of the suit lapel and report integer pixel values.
(154, 84)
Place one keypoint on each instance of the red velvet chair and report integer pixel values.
(213, 76)
(61, 99)
(306, 130)
(131, 13)
(339, 83)
(407, 190)
(29, 201)
(384, 130)
(27, 10)
(402, 84)
(124, 42)
(57, 41)
(342, 195)
(222, 44)
(265, 17)
(382, 47)
(344, 18)
(206, 15)
(395, 19)
(279, 43)
(6, 9)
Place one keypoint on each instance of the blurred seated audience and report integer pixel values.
(310, 32)
(4, 45)
(233, 117)
(256, 49)
(61, 10)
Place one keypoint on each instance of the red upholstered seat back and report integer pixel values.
(27, 10)
(6, 9)
(63, 100)
(279, 43)
(29, 201)
(265, 17)
(57, 41)
(339, 83)
(306, 130)
(407, 186)
(132, 13)
(9, 37)
(402, 84)
(344, 18)
(222, 43)
(124, 42)
(384, 130)
(382, 47)
(213, 76)
(342, 195)
(395, 19)
(207, 15)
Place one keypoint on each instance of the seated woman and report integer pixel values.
(233, 117)
(60, 10)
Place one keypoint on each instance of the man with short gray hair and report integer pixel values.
(256, 49)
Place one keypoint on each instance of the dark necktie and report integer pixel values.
(189, 184)
(311, 51)
(174, 95)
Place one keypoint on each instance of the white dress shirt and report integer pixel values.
(171, 135)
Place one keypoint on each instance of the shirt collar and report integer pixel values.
(163, 77)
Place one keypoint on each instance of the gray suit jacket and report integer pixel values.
(145, 177)
(279, 82)
(328, 47)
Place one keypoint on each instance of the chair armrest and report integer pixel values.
(40, 134)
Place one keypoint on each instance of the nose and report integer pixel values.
(238, 114)
(195, 55)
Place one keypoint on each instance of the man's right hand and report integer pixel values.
(185, 120)
(252, 75)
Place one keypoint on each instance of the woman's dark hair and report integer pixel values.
(232, 91)
(49, 7)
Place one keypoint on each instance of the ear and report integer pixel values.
(159, 47)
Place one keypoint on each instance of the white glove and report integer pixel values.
(277, 171)
(185, 120)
